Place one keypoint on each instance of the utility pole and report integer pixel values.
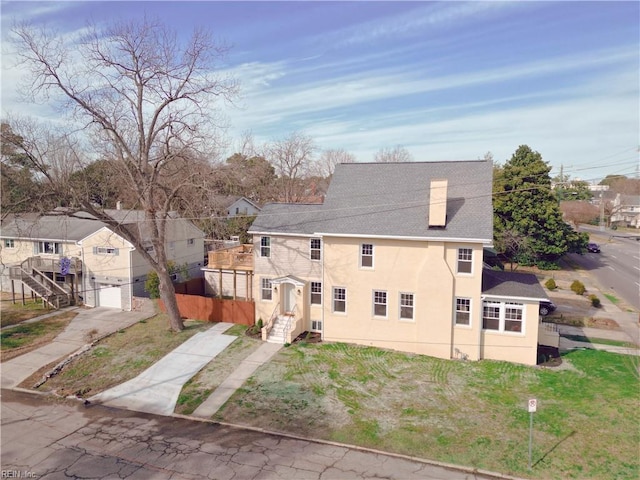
(601, 212)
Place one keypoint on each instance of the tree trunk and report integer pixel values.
(168, 296)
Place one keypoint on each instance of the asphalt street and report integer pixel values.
(53, 439)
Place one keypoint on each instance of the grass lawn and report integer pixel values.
(118, 358)
(13, 314)
(466, 413)
(26, 337)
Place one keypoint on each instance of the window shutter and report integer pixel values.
(35, 248)
(95, 250)
(116, 251)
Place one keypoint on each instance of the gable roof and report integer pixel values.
(392, 200)
(73, 228)
(511, 284)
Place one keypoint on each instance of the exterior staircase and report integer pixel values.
(277, 332)
(45, 288)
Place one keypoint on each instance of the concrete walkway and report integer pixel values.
(156, 390)
(90, 324)
(234, 381)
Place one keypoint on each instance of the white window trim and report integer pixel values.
(458, 272)
(502, 304)
(268, 247)
(455, 312)
(319, 249)
(311, 293)
(262, 290)
(361, 256)
(413, 307)
(42, 252)
(12, 242)
(386, 304)
(105, 251)
(333, 301)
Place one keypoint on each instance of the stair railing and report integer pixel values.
(287, 329)
(267, 328)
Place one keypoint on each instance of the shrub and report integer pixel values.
(595, 301)
(546, 265)
(578, 287)
(551, 284)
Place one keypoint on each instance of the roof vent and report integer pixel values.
(438, 203)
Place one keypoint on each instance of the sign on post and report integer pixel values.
(533, 405)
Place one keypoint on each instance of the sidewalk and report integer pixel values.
(89, 323)
(234, 381)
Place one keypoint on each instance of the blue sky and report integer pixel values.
(446, 80)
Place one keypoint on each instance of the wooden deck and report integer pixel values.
(233, 258)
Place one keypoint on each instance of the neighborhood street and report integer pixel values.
(51, 439)
(617, 267)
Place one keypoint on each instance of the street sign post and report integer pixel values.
(533, 405)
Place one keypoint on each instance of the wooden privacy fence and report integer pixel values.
(214, 309)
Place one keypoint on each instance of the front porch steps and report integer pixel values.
(277, 333)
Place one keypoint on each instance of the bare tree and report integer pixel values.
(292, 157)
(396, 154)
(146, 99)
(330, 158)
(578, 212)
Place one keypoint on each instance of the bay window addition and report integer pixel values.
(316, 293)
(465, 260)
(379, 303)
(503, 316)
(339, 299)
(366, 255)
(315, 248)
(265, 246)
(463, 311)
(406, 306)
(266, 290)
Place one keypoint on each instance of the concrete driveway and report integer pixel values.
(156, 389)
(88, 325)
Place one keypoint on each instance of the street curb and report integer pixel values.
(435, 463)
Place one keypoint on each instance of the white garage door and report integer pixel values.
(109, 296)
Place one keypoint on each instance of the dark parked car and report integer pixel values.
(593, 247)
(547, 307)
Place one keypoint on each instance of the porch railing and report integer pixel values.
(267, 328)
(287, 328)
(240, 257)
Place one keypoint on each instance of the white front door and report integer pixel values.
(289, 297)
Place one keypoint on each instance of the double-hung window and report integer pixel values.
(503, 316)
(315, 249)
(316, 293)
(463, 311)
(406, 306)
(265, 246)
(266, 290)
(9, 243)
(366, 255)
(379, 303)
(339, 299)
(465, 260)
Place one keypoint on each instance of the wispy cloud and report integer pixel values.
(416, 20)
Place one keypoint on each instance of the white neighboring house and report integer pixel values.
(81, 259)
(626, 210)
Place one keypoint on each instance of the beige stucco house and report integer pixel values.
(394, 259)
(103, 269)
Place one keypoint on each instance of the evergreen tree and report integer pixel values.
(525, 204)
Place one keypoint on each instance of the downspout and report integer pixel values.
(480, 328)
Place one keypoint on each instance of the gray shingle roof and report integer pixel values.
(392, 200)
(511, 284)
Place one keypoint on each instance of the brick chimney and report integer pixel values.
(438, 203)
